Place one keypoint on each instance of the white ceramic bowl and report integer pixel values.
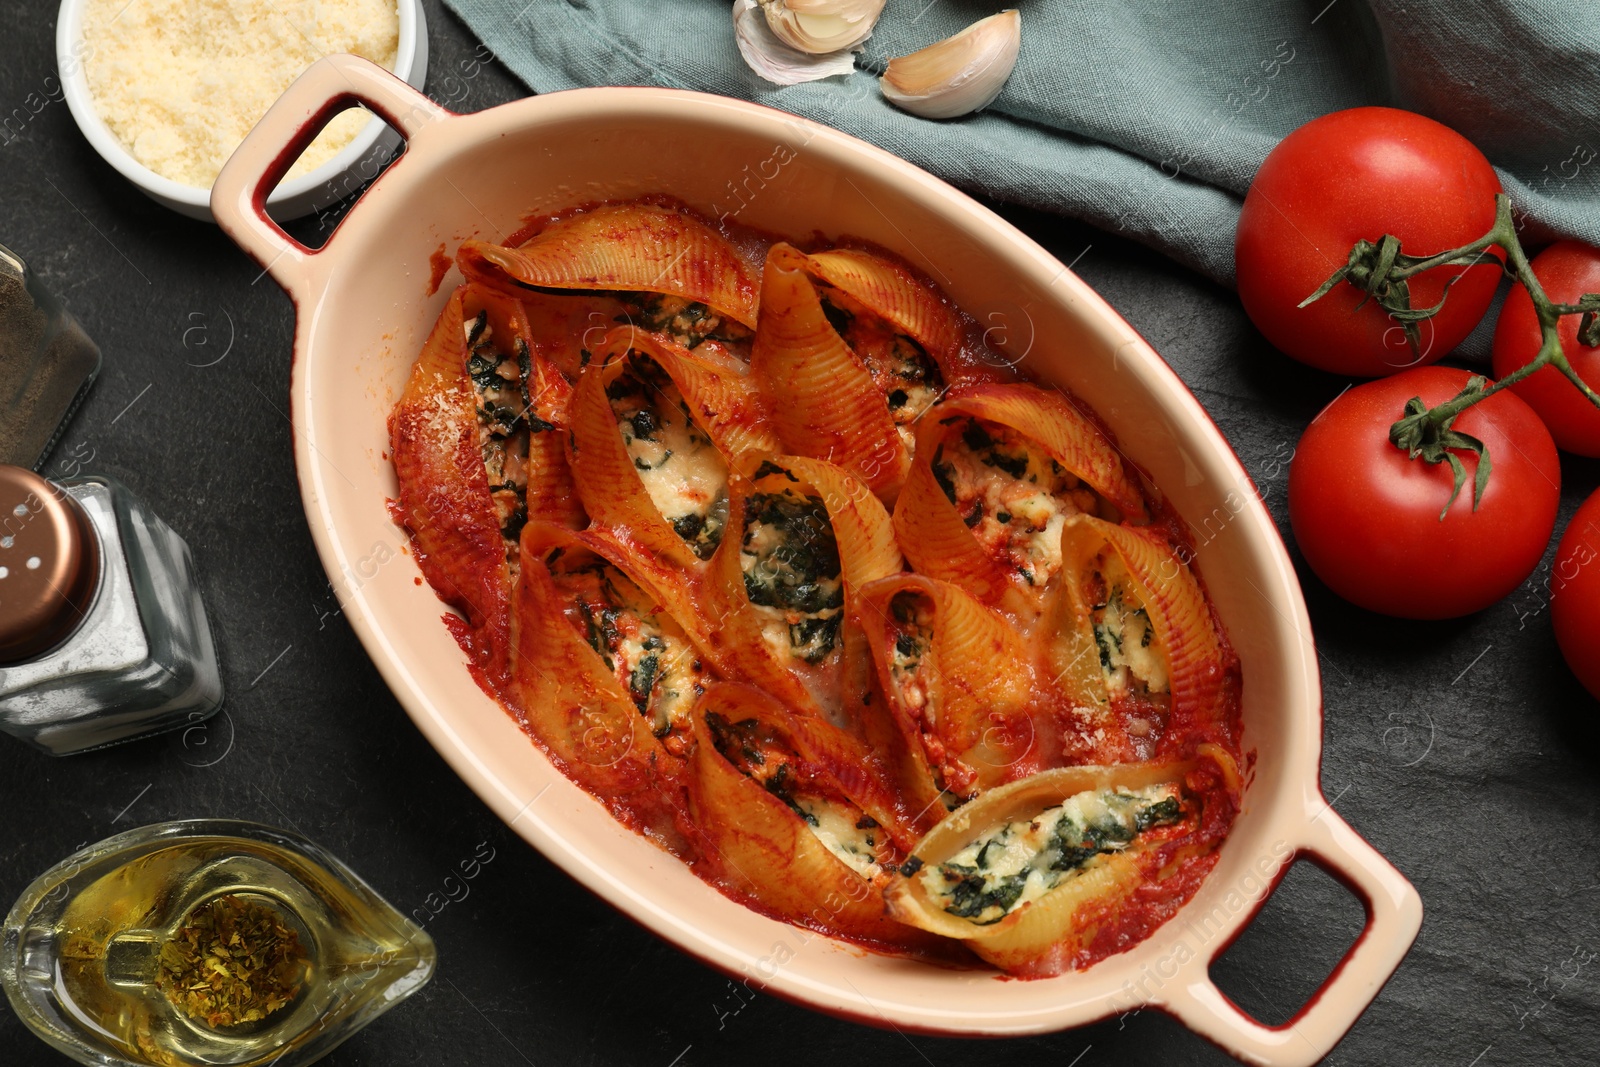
(334, 180)
(364, 304)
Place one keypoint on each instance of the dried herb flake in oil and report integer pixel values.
(233, 961)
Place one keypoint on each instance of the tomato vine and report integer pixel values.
(1382, 271)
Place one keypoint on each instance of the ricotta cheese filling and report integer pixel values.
(912, 634)
(505, 420)
(645, 650)
(682, 471)
(1133, 660)
(759, 753)
(843, 830)
(1019, 862)
(792, 573)
(901, 367)
(1013, 497)
(1130, 656)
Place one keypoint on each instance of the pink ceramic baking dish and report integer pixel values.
(366, 301)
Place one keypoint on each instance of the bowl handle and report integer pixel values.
(331, 84)
(1394, 915)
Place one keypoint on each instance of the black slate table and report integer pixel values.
(1464, 751)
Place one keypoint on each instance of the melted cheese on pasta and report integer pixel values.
(1130, 655)
(682, 471)
(1013, 497)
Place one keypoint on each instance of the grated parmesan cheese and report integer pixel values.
(180, 82)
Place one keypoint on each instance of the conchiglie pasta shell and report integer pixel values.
(628, 247)
(840, 686)
(938, 543)
(936, 540)
(903, 300)
(672, 589)
(560, 323)
(826, 404)
(1178, 614)
(1059, 926)
(869, 720)
(979, 684)
(1064, 433)
(1052, 927)
(867, 552)
(578, 711)
(756, 847)
(607, 480)
(507, 319)
(552, 494)
(444, 491)
(723, 397)
(552, 491)
(564, 326)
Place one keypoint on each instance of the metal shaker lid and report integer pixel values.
(49, 564)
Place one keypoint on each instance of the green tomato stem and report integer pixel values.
(1382, 270)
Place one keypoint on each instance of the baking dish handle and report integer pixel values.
(1394, 915)
(331, 84)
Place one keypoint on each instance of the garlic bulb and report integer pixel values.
(818, 27)
(775, 61)
(960, 74)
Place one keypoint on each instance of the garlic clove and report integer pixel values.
(958, 75)
(819, 27)
(776, 61)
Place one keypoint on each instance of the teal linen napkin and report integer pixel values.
(1147, 117)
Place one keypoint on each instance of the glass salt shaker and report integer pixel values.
(47, 364)
(103, 636)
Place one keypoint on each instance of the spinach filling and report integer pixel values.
(801, 571)
(687, 322)
(758, 753)
(1123, 635)
(913, 635)
(790, 559)
(1012, 496)
(1021, 861)
(644, 651)
(500, 384)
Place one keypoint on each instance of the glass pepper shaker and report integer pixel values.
(47, 364)
(103, 636)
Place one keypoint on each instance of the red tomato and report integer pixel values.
(1575, 594)
(1359, 174)
(1367, 517)
(1567, 270)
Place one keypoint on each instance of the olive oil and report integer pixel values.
(84, 947)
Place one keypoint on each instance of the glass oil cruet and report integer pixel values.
(101, 958)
